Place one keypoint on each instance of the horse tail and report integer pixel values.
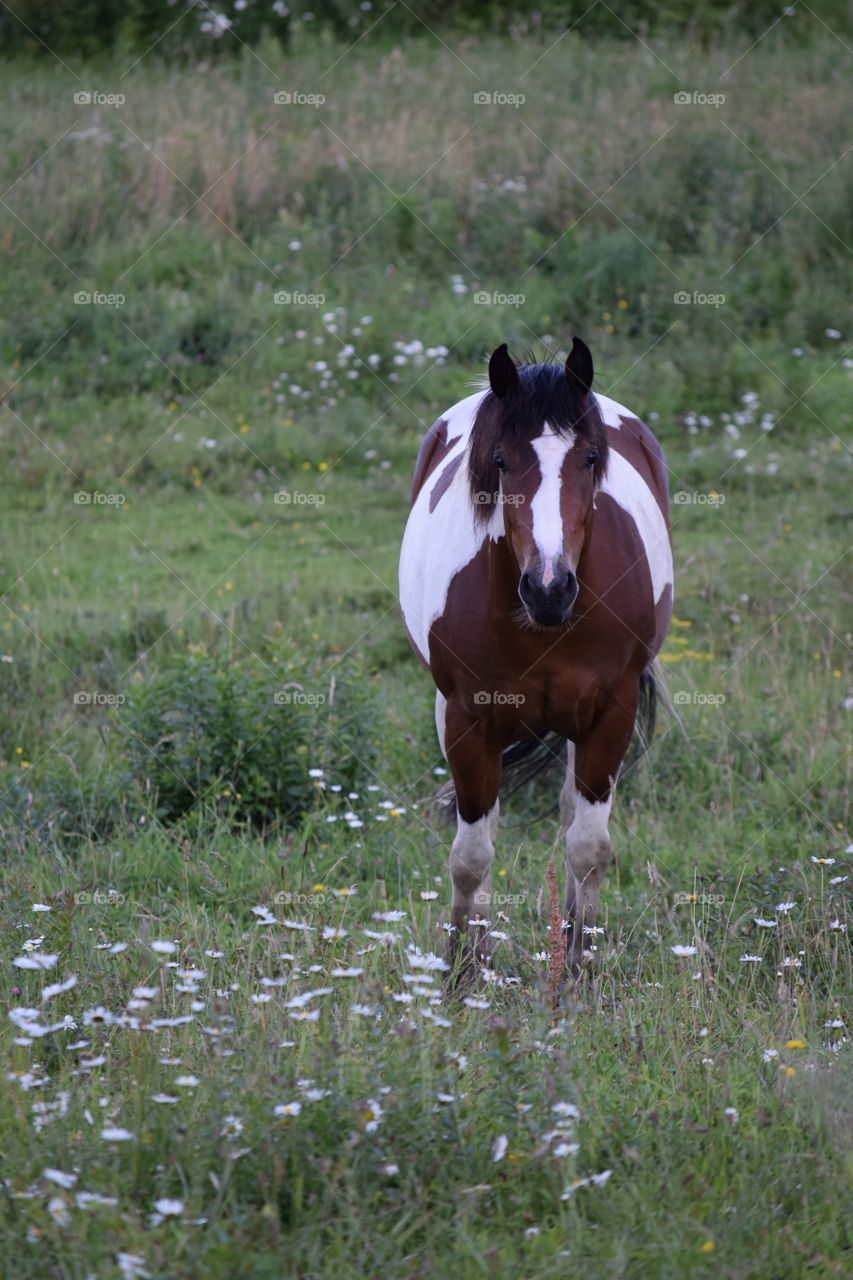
(647, 708)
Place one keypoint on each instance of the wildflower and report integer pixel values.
(56, 988)
(373, 1114)
(784, 907)
(113, 1133)
(167, 1099)
(232, 1126)
(288, 1109)
(823, 862)
(131, 1266)
(35, 960)
(564, 1149)
(683, 951)
(426, 960)
(330, 933)
(58, 1210)
(300, 1001)
(596, 1180)
(187, 1082)
(169, 1208)
(499, 1148)
(764, 924)
(769, 1055)
(64, 1180)
(162, 947)
(567, 1109)
(748, 959)
(795, 1044)
(93, 1199)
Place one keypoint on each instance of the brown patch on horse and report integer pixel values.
(443, 482)
(435, 447)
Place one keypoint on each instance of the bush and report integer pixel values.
(206, 737)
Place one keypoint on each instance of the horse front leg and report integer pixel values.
(476, 768)
(597, 757)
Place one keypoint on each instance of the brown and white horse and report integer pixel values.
(536, 585)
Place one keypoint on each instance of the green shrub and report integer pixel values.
(208, 737)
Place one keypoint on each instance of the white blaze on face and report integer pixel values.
(551, 450)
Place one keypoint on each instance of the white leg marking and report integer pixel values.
(587, 856)
(471, 862)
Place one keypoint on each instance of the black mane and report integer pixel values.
(544, 394)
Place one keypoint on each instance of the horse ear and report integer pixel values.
(503, 374)
(579, 366)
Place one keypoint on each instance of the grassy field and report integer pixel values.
(229, 1051)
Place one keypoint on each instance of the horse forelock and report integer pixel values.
(545, 395)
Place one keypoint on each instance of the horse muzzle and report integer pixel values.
(551, 605)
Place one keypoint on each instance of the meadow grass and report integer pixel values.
(684, 1113)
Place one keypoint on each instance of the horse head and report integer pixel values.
(538, 453)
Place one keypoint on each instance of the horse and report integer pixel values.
(536, 585)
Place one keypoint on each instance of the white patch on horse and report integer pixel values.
(471, 862)
(439, 544)
(551, 450)
(611, 411)
(587, 857)
(626, 486)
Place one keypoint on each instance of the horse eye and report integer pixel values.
(591, 458)
(500, 462)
